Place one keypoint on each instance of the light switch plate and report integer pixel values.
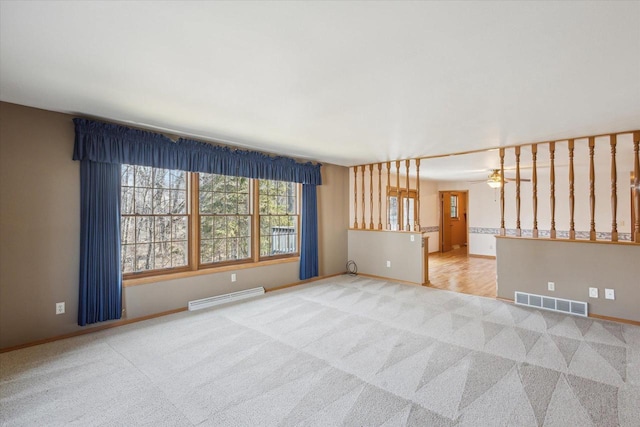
(609, 294)
(593, 292)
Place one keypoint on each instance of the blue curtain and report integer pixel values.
(309, 233)
(100, 273)
(103, 147)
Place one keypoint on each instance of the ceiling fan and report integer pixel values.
(494, 181)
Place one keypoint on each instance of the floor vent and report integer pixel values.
(579, 308)
(221, 299)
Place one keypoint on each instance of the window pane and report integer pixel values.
(393, 212)
(219, 227)
(243, 204)
(244, 247)
(162, 255)
(225, 216)
(178, 202)
(244, 226)
(127, 175)
(205, 181)
(278, 218)
(206, 227)
(161, 201)
(180, 226)
(219, 250)
(126, 200)
(128, 230)
(179, 253)
(128, 255)
(143, 201)
(206, 202)
(144, 229)
(144, 257)
(178, 180)
(206, 251)
(150, 232)
(143, 176)
(163, 229)
(162, 178)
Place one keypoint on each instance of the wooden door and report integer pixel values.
(445, 222)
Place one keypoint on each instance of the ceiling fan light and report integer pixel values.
(494, 184)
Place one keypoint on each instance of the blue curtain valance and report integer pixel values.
(110, 143)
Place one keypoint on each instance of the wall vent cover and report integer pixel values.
(578, 308)
(221, 299)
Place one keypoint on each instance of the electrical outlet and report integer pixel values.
(233, 277)
(413, 238)
(388, 264)
(490, 246)
(59, 308)
(609, 293)
(593, 292)
(551, 286)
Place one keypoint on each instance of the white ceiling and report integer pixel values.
(339, 82)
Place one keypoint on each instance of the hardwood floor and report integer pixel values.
(456, 271)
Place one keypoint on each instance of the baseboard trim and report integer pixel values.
(615, 319)
(481, 256)
(123, 322)
(406, 282)
(93, 329)
(592, 315)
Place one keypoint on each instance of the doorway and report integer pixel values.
(453, 220)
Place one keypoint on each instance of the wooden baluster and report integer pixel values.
(518, 229)
(379, 196)
(636, 184)
(592, 189)
(614, 191)
(398, 200)
(417, 222)
(388, 200)
(371, 196)
(364, 222)
(503, 230)
(552, 188)
(355, 197)
(572, 200)
(408, 225)
(534, 181)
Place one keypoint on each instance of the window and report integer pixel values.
(225, 218)
(454, 206)
(400, 209)
(278, 218)
(159, 207)
(154, 224)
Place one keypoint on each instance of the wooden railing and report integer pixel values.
(361, 177)
(613, 145)
(364, 175)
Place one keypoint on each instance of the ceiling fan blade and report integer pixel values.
(514, 180)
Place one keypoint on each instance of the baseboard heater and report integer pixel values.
(221, 299)
(578, 308)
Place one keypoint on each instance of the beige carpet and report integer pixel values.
(344, 351)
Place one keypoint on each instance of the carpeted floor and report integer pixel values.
(343, 351)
